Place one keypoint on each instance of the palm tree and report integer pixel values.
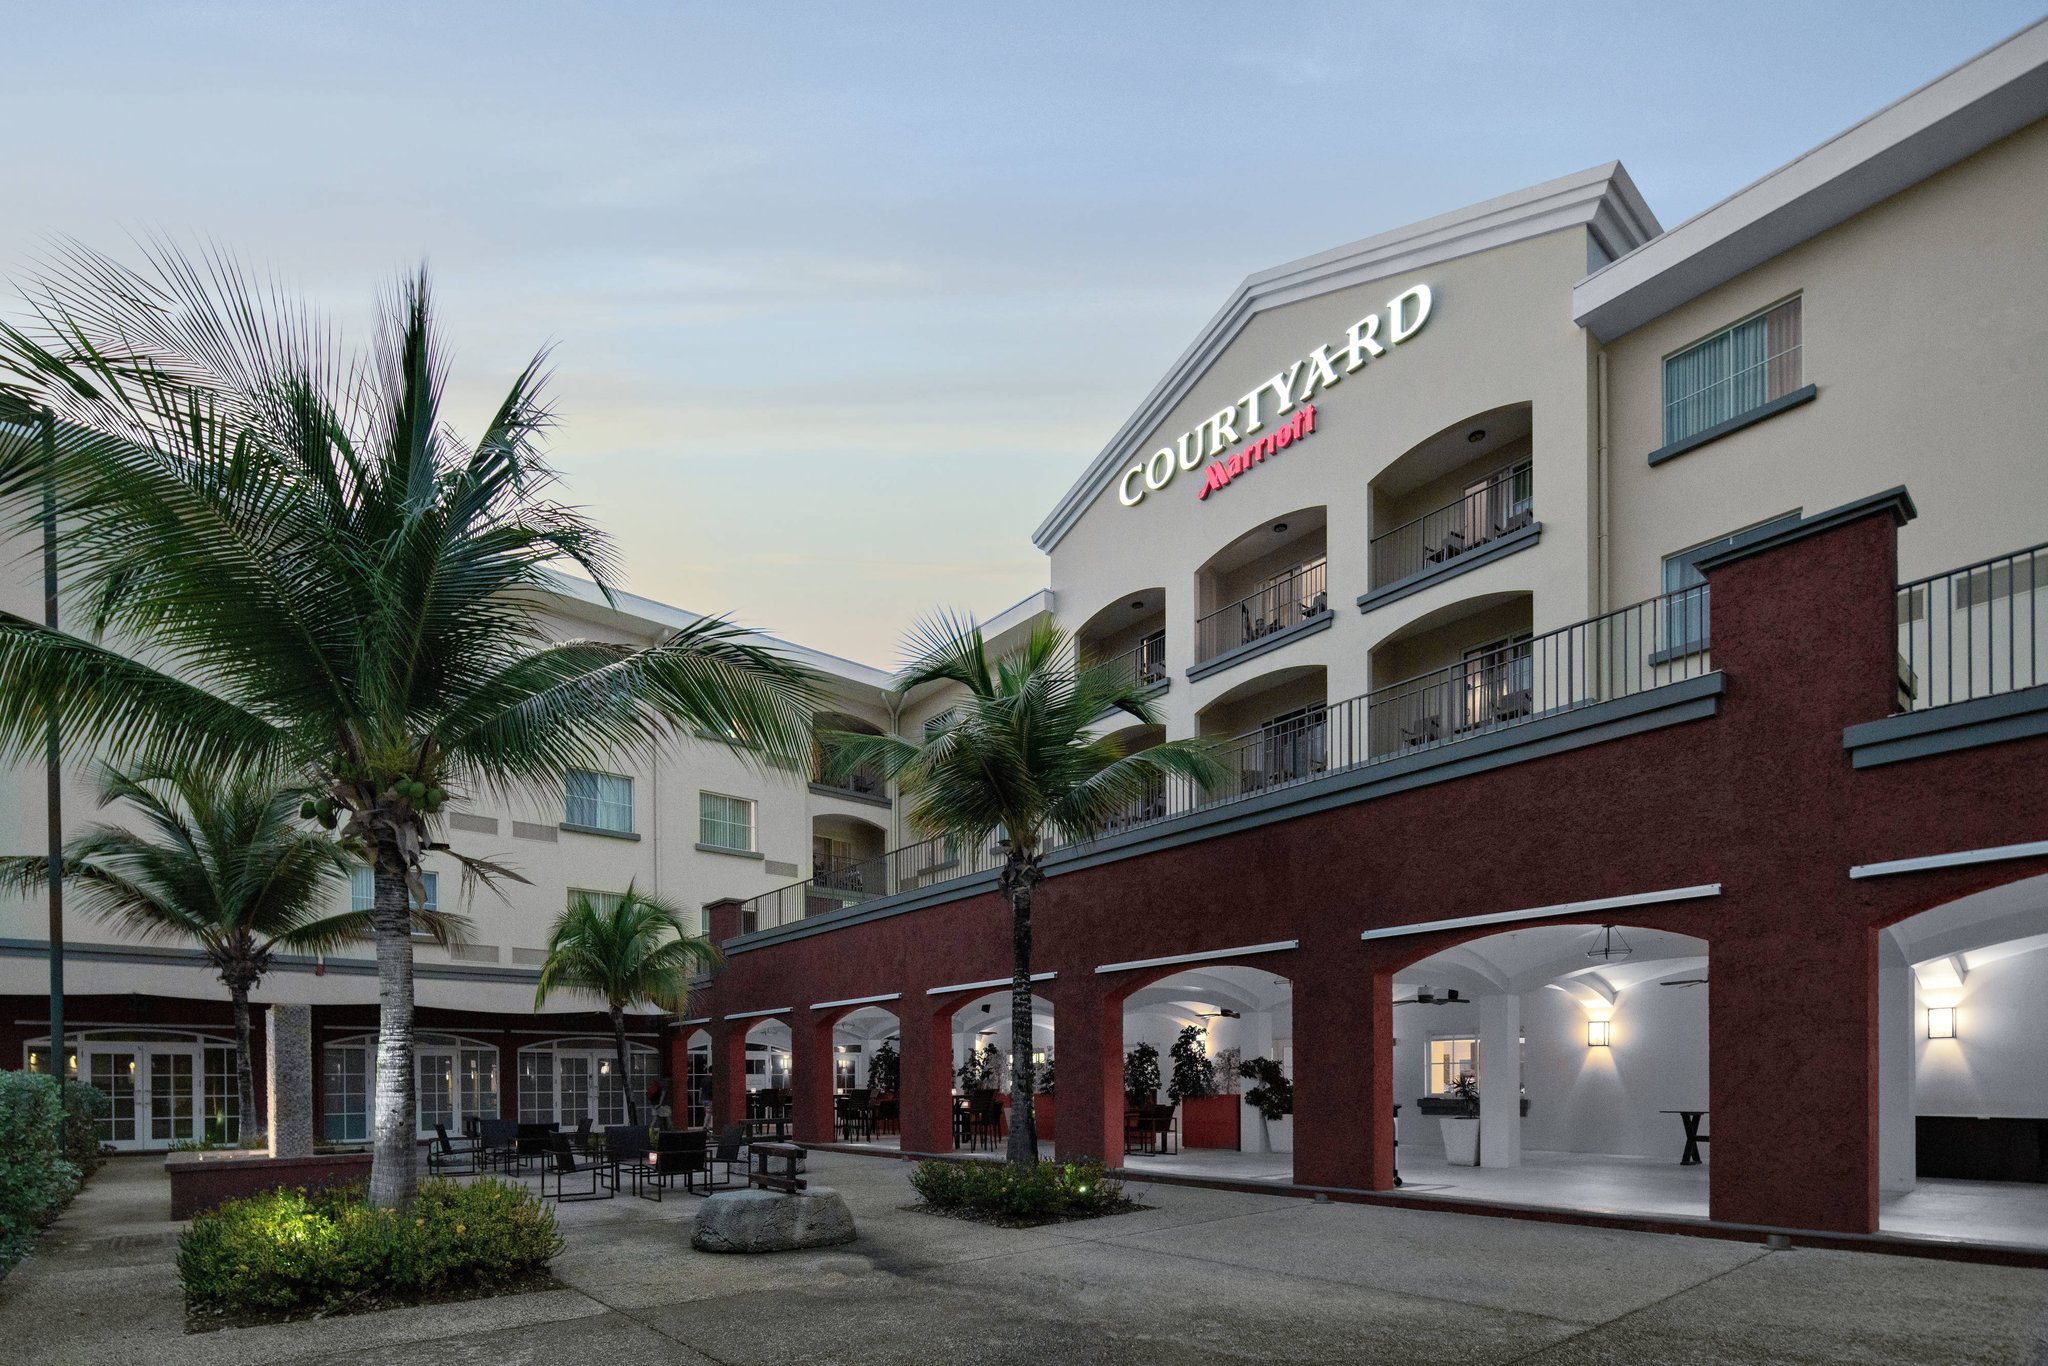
(327, 581)
(1021, 762)
(230, 867)
(634, 948)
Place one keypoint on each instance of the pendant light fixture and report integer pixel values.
(1612, 948)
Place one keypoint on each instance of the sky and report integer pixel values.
(843, 297)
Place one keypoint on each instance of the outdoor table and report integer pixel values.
(1693, 1137)
(762, 1158)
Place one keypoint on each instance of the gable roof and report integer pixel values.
(1603, 200)
(1992, 95)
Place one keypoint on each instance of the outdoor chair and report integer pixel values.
(498, 1144)
(679, 1152)
(445, 1154)
(1515, 703)
(1426, 731)
(729, 1152)
(583, 1134)
(566, 1164)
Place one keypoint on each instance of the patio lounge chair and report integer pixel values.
(445, 1154)
(679, 1152)
(565, 1164)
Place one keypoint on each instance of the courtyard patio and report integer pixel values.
(1199, 1275)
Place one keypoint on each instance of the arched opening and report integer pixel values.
(1270, 579)
(1468, 487)
(1129, 633)
(1963, 1068)
(981, 1073)
(1274, 729)
(1460, 671)
(1559, 1065)
(565, 1081)
(1199, 1117)
(768, 1075)
(867, 1078)
(849, 862)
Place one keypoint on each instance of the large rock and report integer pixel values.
(770, 1221)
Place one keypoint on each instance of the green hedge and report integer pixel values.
(1043, 1192)
(287, 1251)
(47, 1147)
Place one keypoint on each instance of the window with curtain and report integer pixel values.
(1735, 371)
(599, 801)
(362, 890)
(347, 1076)
(725, 822)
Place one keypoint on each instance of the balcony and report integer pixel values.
(1285, 601)
(864, 784)
(1498, 507)
(1975, 632)
(1635, 650)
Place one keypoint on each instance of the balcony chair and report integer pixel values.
(1514, 704)
(1452, 545)
(1427, 731)
(567, 1164)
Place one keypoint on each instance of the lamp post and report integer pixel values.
(52, 772)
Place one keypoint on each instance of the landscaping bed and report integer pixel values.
(996, 1193)
(296, 1254)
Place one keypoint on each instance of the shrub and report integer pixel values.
(1043, 1192)
(286, 1251)
(1194, 1076)
(1273, 1097)
(1141, 1072)
(36, 1177)
(84, 1107)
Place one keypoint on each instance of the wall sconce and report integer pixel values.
(1941, 1022)
(1599, 1033)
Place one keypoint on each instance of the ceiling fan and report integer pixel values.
(1684, 982)
(1426, 997)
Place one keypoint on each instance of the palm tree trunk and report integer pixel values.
(1023, 1151)
(394, 1153)
(245, 1074)
(625, 1072)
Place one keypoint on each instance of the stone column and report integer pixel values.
(289, 1061)
(1500, 1080)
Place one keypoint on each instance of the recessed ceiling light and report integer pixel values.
(1136, 603)
(1476, 435)
(1279, 527)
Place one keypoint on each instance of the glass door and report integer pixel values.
(173, 1098)
(113, 1072)
(436, 1081)
(575, 1089)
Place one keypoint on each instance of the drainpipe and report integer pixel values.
(1601, 590)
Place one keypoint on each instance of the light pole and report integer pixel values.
(52, 774)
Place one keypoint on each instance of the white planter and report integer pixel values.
(1461, 1140)
(1262, 1135)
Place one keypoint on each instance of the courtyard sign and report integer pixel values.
(1272, 401)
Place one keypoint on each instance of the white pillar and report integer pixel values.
(1897, 1144)
(1500, 1081)
(288, 1064)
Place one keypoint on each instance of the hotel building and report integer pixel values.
(1630, 648)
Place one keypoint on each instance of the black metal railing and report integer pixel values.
(1290, 598)
(862, 782)
(1505, 503)
(1975, 631)
(1633, 650)
(1143, 665)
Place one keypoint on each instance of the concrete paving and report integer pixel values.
(1203, 1275)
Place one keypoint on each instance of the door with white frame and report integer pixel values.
(455, 1080)
(569, 1080)
(163, 1088)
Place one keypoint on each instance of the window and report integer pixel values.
(114, 1074)
(725, 822)
(1735, 371)
(1450, 1059)
(1499, 682)
(1685, 611)
(362, 890)
(1294, 744)
(222, 1097)
(578, 1079)
(599, 801)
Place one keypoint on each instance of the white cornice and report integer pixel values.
(1603, 200)
(1986, 98)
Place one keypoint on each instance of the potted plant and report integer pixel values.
(1461, 1122)
(1272, 1096)
(1209, 1119)
(1045, 1106)
(1141, 1075)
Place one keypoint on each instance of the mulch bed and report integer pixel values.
(975, 1216)
(213, 1320)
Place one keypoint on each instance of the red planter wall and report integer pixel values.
(1212, 1122)
(202, 1181)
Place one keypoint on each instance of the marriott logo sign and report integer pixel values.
(1281, 402)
